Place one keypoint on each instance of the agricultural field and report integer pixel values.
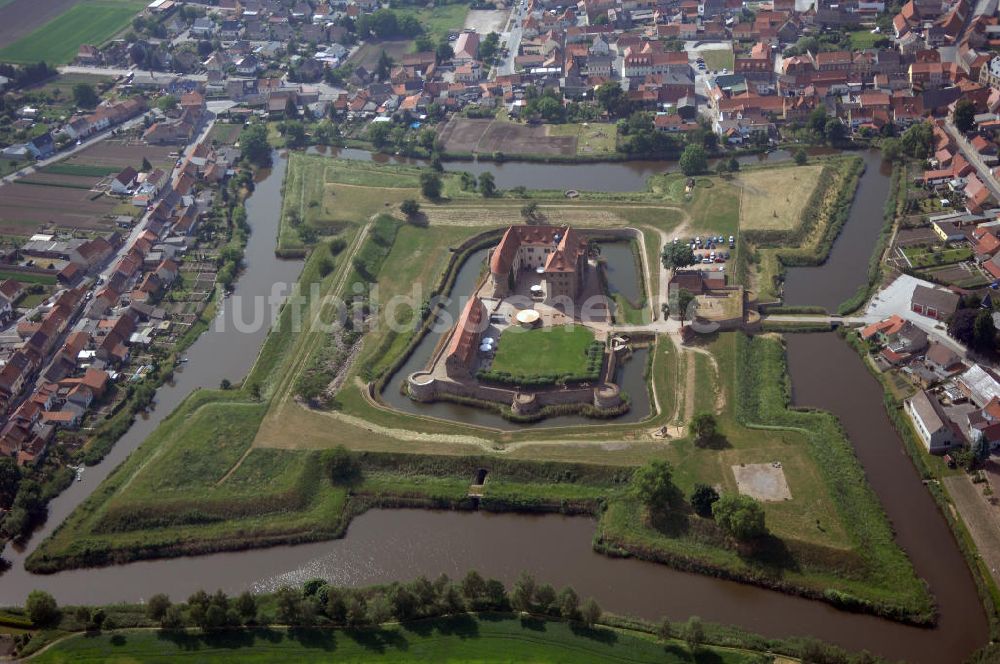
(57, 41)
(485, 136)
(774, 199)
(486, 640)
(21, 17)
(553, 350)
(67, 203)
(117, 154)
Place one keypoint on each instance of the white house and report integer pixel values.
(938, 433)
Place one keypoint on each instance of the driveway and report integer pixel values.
(895, 299)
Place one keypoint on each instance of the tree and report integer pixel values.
(430, 185)
(473, 586)
(892, 149)
(665, 630)
(410, 208)
(684, 300)
(964, 115)
(495, 595)
(569, 603)
(41, 607)
(545, 597)
(676, 255)
(734, 164)
(378, 133)
(704, 428)
(962, 325)
(835, 131)
(10, 479)
(85, 96)
(653, 484)
(801, 157)
(488, 47)
(383, 67)
(693, 160)
(693, 633)
(612, 99)
(984, 333)
(173, 618)
(443, 51)
(294, 132)
(336, 607)
(167, 103)
(246, 607)
(980, 450)
(157, 606)
(522, 592)
(740, 516)
(529, 211)
(254, 146)
(145, 167)
(487, 185)
(379, 609)
(287, 600)
(703, 497)
(590, 612)
(918, 140)
(341, 465)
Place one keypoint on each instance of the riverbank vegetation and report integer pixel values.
(471, 619)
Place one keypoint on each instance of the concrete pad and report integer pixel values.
(763, 481)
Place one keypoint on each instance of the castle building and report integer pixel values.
(460, 356)
(560, 252)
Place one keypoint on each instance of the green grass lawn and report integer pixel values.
(28, 278)
(718, 59)
(545, 350)
(923, 257)
(464, 639)
(439, 21)
(861, 39)
(57, 41)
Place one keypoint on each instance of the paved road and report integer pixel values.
(511, 36)
(117, 71)
(144, 220)
(984, 174)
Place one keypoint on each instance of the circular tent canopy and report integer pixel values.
(527, 316)
(536, 289)
(540, 270)
(485, 348)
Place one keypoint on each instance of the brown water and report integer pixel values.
(606, 176)
(846, 268)
(826, 373)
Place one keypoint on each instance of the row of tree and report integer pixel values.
(318, 603)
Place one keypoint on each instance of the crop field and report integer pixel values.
(773, 199)
(24, 206)
(466, 135)
(544, 350)
(20, 17)
(117, 154)
(57, 41)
